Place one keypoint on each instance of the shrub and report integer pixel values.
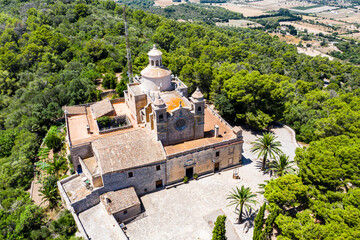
(186, 179)
(219, 229)
(103, 121)
(195, 176)
(52, 139)
(109, 81)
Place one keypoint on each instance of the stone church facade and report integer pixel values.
(153, 137)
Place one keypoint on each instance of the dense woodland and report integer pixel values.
(52, 52)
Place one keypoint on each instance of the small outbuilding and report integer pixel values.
(123, 204)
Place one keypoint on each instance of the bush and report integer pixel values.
(185, 180)
(219, 229)
(195, 176)
(52, 139)
(109, 81)
(103, 121)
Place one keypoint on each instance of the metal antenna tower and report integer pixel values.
(128, 51)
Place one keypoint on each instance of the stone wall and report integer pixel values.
(143, 179)
(203, 160)
(130, 213)
(83, 151)
(89, 201)
(174, 135)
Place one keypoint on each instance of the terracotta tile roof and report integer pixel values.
(101, 108)
(116, 201)
(127, 150)
(75, 110)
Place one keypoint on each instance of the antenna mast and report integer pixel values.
(128, 51)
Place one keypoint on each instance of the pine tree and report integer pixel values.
(219, 229)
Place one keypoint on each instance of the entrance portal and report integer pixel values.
(189, 172)
(158, 184)
(216, 167)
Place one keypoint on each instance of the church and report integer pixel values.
(149, 140)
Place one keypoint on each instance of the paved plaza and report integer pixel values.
(183, 212)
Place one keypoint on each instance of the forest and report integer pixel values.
(53, 51)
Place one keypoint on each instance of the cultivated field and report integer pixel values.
(239, 23)
(348, 15)
(165, 3)
(246, 10)
(311, 28)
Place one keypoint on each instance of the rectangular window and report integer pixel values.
(231, 150)
(158, 168)
(130, 174)
(217, 154)
(230, 161)
(125, 212)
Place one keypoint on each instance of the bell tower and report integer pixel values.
(198, 102)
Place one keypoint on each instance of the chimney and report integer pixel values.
(216, 131)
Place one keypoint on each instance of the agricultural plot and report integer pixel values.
(165, 3)
(311, 28)
(246, 10)
(313, 9)
(348, 15)
(239, 23)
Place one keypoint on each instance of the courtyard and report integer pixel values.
(187, 211)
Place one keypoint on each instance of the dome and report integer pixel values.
(154, 52)
(198, 95)
(155, 72)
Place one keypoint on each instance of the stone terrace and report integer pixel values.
(78, 125)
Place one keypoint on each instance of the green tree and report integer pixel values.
(219, 232)
(281, 165)
(109, 81)
(286, 192)
(121, 87)
(259, 223)
(240, 198)
(52, 139)
(49, 191)
(81, 10)
(266, 146)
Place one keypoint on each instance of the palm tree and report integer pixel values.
(49, 191)
(266, 146)
(281, 165)
(58, 165)
(240, 198)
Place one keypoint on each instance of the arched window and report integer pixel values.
(152, 62)
(161, 117)
(108, 200)
(157, 62)
(199, 109)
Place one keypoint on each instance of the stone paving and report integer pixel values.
(178, 213)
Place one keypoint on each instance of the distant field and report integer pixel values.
(165, 3)
(313, 9)
(306, 7)
(240, 23)
(348, 15)
(244, 9)
(311, 28)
